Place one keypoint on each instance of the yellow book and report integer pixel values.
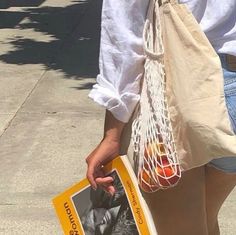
(84, 211)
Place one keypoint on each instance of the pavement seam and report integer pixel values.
(63, 44)
(60, 112)
(17, 111)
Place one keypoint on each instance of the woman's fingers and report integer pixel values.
(94, 170)
(106, 184)
(111, 189)
(90, 176)
(104, 180)
(96, 178)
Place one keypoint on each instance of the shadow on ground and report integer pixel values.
(74, 31)
(4, 4)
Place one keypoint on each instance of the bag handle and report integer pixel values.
(162, 2)
(151, 32)
(153, 46)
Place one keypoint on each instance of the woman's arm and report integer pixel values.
(112, 127)
(121, 57)
(118, 83)
(104, 152)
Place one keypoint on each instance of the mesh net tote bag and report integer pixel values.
(181, 121)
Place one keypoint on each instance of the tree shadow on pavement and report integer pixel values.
(73, 34)
(4, 4)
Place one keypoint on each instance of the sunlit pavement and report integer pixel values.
(48, 62)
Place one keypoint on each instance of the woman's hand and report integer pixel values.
(102, 154)
(107, 150)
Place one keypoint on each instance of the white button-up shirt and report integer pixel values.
(121, 49)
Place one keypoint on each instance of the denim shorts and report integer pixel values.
(228, 164)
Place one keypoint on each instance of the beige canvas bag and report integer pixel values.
(194, 89)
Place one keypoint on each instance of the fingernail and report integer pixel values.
(94, 188)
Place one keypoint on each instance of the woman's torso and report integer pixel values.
(217, 19)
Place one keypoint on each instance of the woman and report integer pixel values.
(192, 206)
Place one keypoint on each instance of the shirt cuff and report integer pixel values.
(121, 106)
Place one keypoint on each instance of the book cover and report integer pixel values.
(82, 210)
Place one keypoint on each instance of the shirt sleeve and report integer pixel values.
(121, 56)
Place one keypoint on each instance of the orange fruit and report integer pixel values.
(167, 172)
(145, 176)
(146, 182)
(163, 160)
(154, 148)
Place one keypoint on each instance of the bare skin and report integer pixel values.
(194, 203)
(191, 207)
(218, 186)
(181, 210)
(106, 150)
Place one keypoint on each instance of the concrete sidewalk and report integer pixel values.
(48, 62)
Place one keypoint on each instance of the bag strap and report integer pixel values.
(152, 32)
(162, 2)
(152, 24)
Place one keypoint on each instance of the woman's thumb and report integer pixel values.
(90, 175)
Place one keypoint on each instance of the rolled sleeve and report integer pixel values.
(121, 57)
(121, 105)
